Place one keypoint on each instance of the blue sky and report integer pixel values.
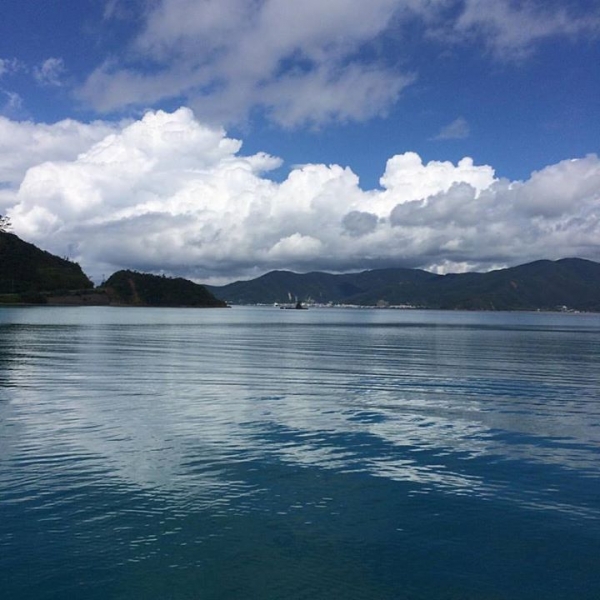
(322, 96)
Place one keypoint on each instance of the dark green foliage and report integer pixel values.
(26, 270)
(546, 285)
(141, 289)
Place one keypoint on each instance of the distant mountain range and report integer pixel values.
(570, 283)
(31, 275)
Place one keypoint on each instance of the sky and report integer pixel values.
(221, 139)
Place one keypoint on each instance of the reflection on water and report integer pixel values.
(322, 453)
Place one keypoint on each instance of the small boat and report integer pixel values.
(298, 306)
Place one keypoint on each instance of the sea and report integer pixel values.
(257, 453)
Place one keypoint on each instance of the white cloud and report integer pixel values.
(9, 66)
(355, 93)
(511, 29)
(49, 72)
(167, 193)
(12, 104)
(25, 144)
(457, 130)
(299, 62)
(311, 62)
(406, 178)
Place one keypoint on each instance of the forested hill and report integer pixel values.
(32, 276)
(140, 289)
(25, 270)
(569, 283)
(285, 286)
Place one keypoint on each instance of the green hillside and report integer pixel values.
(26, 272)
(542, 285)
(140, 289)
(285, 286)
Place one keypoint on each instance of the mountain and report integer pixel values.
(26, 272)
(546, 285)
(285, 286)
(140, 289)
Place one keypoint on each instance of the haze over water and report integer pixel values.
(269, 454)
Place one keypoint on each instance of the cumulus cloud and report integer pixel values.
(357, 223)
(24, 144)
(306, 63)
(167, 193)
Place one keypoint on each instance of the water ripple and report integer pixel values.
(322, 454)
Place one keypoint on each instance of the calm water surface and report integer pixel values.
(255, 453)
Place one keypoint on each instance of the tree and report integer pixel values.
(4, 223)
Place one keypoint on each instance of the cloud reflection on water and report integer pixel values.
(189, 407)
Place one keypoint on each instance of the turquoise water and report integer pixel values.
(255, 453)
